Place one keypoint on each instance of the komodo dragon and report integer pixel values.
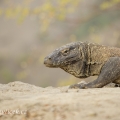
(83, 59)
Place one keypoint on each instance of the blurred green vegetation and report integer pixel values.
(71, 80)
(7, 75)
(108, 4)
(47, 12)
(96, 23)
(54, 23)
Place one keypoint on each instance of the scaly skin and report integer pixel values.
(87, 59)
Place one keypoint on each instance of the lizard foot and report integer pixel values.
(80, 85)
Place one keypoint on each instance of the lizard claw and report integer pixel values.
(77, 86)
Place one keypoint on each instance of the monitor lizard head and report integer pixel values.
(67, 57)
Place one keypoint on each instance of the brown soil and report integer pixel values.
(22, 101)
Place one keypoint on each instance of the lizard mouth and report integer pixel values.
(49, 63)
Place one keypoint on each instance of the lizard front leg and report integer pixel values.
(110, 72)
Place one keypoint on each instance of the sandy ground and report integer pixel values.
(22, 101)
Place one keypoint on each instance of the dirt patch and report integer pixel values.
(22, 101)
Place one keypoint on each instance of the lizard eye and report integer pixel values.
(65, 52)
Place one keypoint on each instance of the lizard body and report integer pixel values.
(83, 59)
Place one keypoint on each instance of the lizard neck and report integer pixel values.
(84, 66)
(81, 67)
